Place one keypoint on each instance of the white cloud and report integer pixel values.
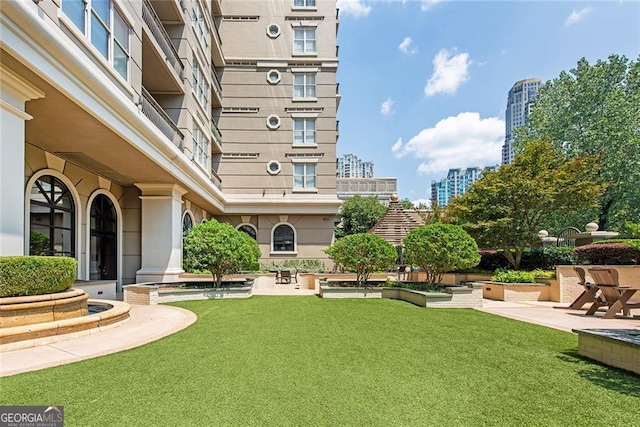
(426, 5)
(449, 72)
(386, 109)
(405, 46)
(355, 8)
(397, 146)
(577, 16)
(462, 141)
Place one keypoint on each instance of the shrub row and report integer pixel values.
(35, 275)
(608, 253)
(539, 258)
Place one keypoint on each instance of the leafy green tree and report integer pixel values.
(359, 214)
(363, 253)
(219, 248)
(593, 109)
(507, 208)
(438, 248)
(406, 203)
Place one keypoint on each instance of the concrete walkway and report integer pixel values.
(556, 315)
(152, 322)
(147, 323)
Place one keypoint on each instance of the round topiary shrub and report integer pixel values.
(438, 248)
(35, 275)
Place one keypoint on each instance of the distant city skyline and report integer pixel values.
(457, 182)
(423, 84)
(520, 102)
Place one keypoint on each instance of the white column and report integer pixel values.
(161, 232)
(14, 92)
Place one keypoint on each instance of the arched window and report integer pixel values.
(52, 220)
(103, 234)
(187, 223)
(249, 229)
(283, 238)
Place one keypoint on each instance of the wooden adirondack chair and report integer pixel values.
(606, 279)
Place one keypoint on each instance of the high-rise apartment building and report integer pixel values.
(457, 182)
(126, 122)
(519, 105)
(350, 166)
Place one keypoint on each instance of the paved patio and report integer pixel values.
(152, 322)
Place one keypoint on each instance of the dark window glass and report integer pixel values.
(52, 218)
(283, 238)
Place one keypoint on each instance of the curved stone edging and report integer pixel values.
(35, 309)
(25, 336)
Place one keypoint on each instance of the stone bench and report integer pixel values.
(619, 348)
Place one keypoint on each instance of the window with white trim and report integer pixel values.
(304, 85)
(200, 146)
(105, 28)
(304, 176)
(304, 3)
(304, 131)
(304, 40)
(187, 223)
(201, 87)
(200, 24)
(248, 229)
(283, 239)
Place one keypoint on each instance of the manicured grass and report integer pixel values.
(308, 361)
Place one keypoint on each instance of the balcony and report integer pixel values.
(338, 96)
(161, 119)
(216, 101)
(217, 137)
(215, 179)
(161, 38)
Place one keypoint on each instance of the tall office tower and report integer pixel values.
(519, 106)
(350, 166)
(457, 182)
(127, 122)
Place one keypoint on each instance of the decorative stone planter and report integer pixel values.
(516, 291)
(350, 292)
(469, 296)
(29, 310)
(151, 294)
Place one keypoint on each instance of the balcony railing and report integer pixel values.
(161, 119)
(216, 179)
(162, 38)
(216, 81)
(216, 133)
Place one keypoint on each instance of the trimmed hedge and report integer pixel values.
(607, 254)
(513, 276)
(539, 258)
(547, 258)
(35, 275)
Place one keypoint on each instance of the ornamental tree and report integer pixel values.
(359, 214)
(363, 253)
(438, 248)
(593, 110)
(219, 248)
(506, 208)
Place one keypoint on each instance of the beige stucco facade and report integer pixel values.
(169, 115)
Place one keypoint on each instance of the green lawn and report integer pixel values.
(308, 361)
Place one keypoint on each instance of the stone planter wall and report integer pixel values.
(338, 292)
(153, 294)
(469, 296)
(98, 289)
(29, 310)
(614, 347)
(516, 291)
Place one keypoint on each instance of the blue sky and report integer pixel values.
(424, 83)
